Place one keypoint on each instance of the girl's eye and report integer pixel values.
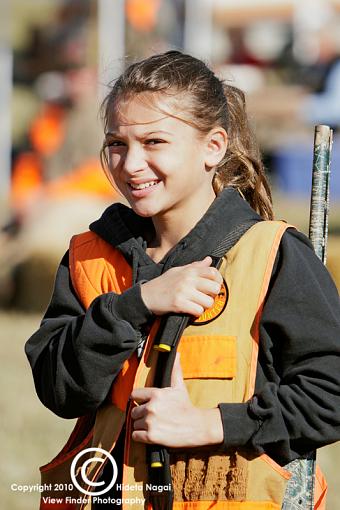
(154, 141)
(115, 143)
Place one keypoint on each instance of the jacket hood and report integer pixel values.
(121, 227)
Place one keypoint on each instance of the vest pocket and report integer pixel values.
(267, 480)
(208, 357)
(279, 469)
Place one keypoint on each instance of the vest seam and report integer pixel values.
(78, 242)
(88, 279)
(73, 247)
(114, 280)
(281, 228)
(80, 237)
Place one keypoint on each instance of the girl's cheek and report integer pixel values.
(114, 160)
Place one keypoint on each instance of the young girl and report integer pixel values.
(255, 384)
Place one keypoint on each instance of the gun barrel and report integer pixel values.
(319, 208)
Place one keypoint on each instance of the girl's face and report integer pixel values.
(158, 162)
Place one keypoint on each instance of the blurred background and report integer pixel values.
(56, 59)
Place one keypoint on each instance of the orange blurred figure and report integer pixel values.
(47, 130)
(88, 178)
(142, 14)
(27, 179)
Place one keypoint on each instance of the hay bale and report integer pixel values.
(42, 243)
(34, 280)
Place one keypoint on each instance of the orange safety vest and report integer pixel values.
(219, 360)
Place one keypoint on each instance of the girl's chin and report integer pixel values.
(145, 212)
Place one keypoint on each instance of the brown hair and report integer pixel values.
(209, 102)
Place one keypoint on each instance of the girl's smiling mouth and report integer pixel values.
(143, 188)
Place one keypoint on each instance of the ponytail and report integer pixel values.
(242, 167)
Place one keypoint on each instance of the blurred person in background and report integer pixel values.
(322, 105)
(54, 65)
(56, 162)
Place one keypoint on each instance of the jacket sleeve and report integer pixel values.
(76, 353)
(296, 406)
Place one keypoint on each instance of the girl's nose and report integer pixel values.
(134, 160)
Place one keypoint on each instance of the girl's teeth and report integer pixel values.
(144, 185)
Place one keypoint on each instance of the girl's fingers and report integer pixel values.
(211, 273)
(141, 436)
(208, 287)
(141, 395)
(197, 303)
(202, 299)
(140, 425)
(138, 412)
(192, 308)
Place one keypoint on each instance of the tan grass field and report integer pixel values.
(32, 435)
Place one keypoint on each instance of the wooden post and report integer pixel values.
(6, 86)
(111, 42)
(198, 28)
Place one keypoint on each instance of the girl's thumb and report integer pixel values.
(205, 262)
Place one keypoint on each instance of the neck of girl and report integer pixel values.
(173, 225)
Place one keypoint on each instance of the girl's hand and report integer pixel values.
(186, 289)
(167, 417)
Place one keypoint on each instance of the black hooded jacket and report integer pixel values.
(76, 354)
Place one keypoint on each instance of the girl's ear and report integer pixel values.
(216, 143)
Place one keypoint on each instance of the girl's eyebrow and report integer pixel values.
(117, 135)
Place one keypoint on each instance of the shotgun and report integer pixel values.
(300, 488)
(319, 205)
